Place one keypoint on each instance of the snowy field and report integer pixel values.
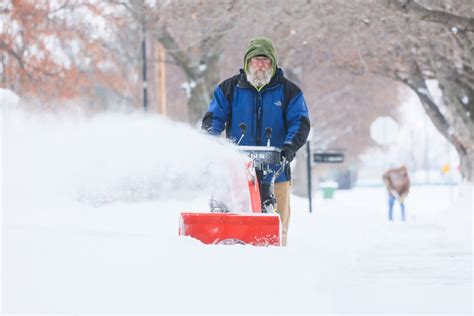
(90, 212)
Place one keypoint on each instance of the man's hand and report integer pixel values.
(287, 152)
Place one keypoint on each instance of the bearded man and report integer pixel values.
(261, 97)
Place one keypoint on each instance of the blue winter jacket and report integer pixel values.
(280, 105)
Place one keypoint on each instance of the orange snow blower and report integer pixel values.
(260, 226)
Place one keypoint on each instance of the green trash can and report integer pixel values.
(328, 193)
(328, 188)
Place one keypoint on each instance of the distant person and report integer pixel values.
(398, 185)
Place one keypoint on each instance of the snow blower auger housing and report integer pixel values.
(260, 227)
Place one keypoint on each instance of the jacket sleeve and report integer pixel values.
(297, 122)
(215, 119)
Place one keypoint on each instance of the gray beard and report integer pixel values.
(257, 79)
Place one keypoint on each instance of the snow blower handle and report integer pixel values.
(268, 134)
(283, 163)
(243, 130)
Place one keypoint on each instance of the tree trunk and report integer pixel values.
(201, 73)
(201, 94)
(198, 102)
(461, 120)
(452, 132)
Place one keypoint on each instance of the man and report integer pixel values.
(398, 185)
(261, 97)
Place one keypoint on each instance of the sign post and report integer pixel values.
(308, 160)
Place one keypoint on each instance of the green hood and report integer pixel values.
(260, 46)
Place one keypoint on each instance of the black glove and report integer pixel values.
(287, 152)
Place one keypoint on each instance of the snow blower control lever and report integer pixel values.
(243, 130)
(268, 133)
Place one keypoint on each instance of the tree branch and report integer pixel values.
(466, 43)
(162, 35)
(4, 46)
(412, 9)
(417, 83)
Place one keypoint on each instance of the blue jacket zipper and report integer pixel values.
(259, 119)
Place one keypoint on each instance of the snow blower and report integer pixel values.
(260, 226)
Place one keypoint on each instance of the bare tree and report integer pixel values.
(412, 42)
(335, 50)
(444, 50)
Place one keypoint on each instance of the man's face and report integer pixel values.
(260, 71)
(259, 66)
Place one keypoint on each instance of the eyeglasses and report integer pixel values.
(256, 60)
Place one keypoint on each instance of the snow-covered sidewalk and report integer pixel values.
(345, 257)
(90, 210)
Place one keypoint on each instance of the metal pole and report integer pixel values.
(162, 76)
(308, 156)
(145, 83)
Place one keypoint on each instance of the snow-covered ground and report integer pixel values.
(90, 212)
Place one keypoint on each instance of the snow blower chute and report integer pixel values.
(261, 226)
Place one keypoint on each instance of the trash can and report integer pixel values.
(328, 188)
